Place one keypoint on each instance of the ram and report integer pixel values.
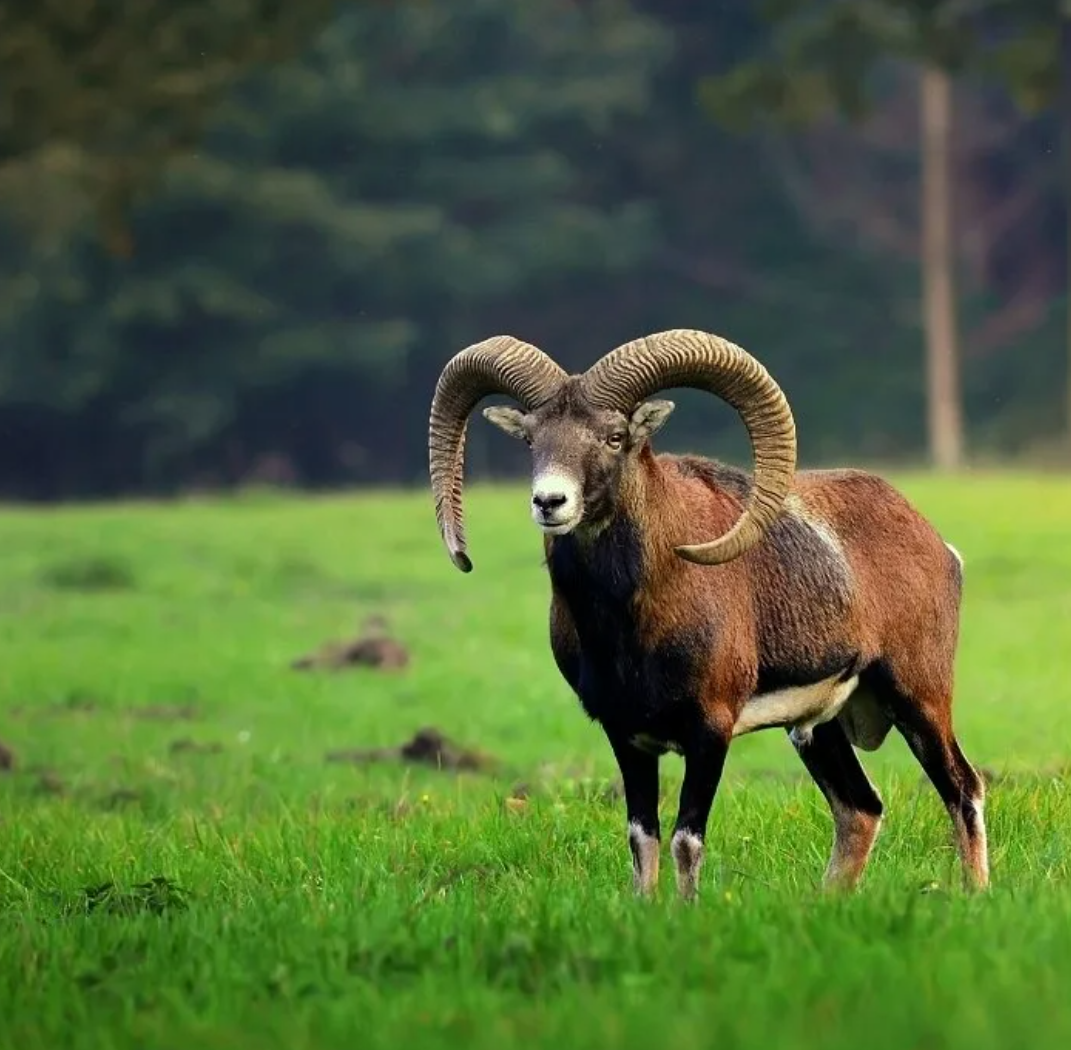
(692, 603)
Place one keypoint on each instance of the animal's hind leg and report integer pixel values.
(927, 728)
(853, 800)
(962, 790)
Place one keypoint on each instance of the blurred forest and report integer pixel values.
(238, 241)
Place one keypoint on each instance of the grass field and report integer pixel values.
(156, 731)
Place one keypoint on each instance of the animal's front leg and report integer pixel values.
(639, 772)
(704, 760)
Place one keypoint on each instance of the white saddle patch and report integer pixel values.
(802, 707)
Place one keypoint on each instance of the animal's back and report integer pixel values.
(903, 570)
(846, 538)
(846, 584)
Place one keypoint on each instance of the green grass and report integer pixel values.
(315, 904)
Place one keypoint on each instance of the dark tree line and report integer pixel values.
(822, 58)
(257, 265)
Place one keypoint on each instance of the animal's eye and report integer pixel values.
(615, 440)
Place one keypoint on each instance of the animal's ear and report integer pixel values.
(509, 420)
(648, 419)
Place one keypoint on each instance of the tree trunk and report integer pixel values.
(1065, 130)
(944, 417)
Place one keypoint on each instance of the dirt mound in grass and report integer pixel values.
(428, 746)
(372, 648)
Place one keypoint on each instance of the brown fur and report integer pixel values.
(901, 602)
(849, 582)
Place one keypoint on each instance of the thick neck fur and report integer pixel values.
(664, 501)
(635, 654)
(615, 558)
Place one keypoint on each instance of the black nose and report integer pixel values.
(547, 501)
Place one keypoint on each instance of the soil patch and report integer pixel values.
(428, 746)
(186, 746)
(373, 648)
(163, 712)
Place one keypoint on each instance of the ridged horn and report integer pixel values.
(685, 357)
(499, 365)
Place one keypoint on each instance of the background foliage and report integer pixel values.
(247, 251)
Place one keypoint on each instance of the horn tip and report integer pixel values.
(701, 554)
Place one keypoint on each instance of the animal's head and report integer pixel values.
(580, 453)
(586, 431)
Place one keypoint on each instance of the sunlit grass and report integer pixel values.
(157, 731)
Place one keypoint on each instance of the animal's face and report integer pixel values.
(580, 455)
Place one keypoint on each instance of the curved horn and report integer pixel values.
(499, 365)
(685, 357)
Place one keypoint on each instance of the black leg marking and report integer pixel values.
(961, 789)
(853, 800)
(639, 772)
(704, 760)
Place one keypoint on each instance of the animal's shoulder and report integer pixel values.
(713, 473)
(800, 543)
(812, 489)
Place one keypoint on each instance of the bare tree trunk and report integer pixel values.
(944, 417)
(1065, 121)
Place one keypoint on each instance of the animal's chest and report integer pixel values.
(634, 686)
(637, 682)
(638, 689)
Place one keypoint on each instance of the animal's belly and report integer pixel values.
(800, 707)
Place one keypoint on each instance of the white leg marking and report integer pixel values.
(687, 850)
(981, 843)
(644, 859)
